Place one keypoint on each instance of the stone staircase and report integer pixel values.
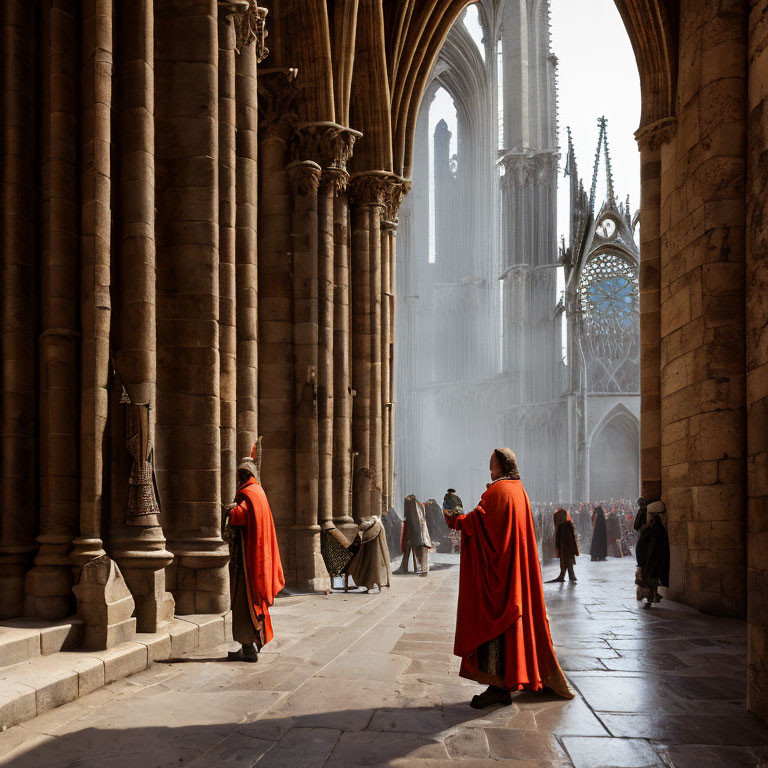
(42, 665)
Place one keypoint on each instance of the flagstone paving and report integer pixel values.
(369, 680)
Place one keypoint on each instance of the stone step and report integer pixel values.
(42, 681)
(23, 639)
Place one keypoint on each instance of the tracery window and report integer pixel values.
(609, 293)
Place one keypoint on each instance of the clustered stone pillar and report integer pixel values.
(305, 182)
(246, 263)
(275, 322)
(136, 538)
(18, 343)
(48, 591)
(375, 199)
(367, 205)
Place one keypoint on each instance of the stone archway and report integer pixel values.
(614, 460)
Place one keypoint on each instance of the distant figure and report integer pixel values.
(613, 526)
(370, 565)
(566, 546)
(598, 549)
(439, 532)
(652, 554)
(415, 538)
(641, 518)
(502, 631)
(452, 502)
(256, 573)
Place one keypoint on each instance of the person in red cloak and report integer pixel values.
(256, 573)
(502, 630)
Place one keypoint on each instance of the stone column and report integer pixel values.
(342, 364)
(650, 140)
(305, 183)
(368, 201)
(18, 307)
(275, 365)
(136, 538)
(395, 191)
(48, 589)
(388, 228)
(95, 266)
(227, 283)
(246, 250)
(188, 431)
(329, 146)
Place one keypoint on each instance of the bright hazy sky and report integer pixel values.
(597, 75)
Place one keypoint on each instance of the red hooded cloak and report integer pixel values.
(501, 592)
(263, 569)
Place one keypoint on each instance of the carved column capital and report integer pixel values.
(380, 188)
(545, 168)
(329, 145)
(519, 169)
(396, 190)
(304, 177)
(250, 25)
(277, 92)
(651, 137)
(369, 188)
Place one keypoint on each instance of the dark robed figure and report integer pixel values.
(502, 631)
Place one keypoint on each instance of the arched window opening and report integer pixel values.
(475, 29)
(443, 158)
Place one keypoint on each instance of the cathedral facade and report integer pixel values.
(501, 358)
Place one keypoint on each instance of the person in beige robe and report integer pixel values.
(370, 565)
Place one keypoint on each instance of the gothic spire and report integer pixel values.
(603, 121)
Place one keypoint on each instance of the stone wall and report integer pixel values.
(756, 310)
(702, 311)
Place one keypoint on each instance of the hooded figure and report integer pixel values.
(439, 532)
(598, 549)
(652, 554)
(415, 537)
(566, 545)
(370, 565)
(502, 631)
(256, 573)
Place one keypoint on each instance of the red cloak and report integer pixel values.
(501, 591)
(263, 569)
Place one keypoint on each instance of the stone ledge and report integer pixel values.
(23, 638)
(44, 681)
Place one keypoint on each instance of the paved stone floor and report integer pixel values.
(360, 680)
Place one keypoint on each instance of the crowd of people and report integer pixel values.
(614, 517)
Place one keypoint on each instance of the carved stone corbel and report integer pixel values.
(651, 137)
